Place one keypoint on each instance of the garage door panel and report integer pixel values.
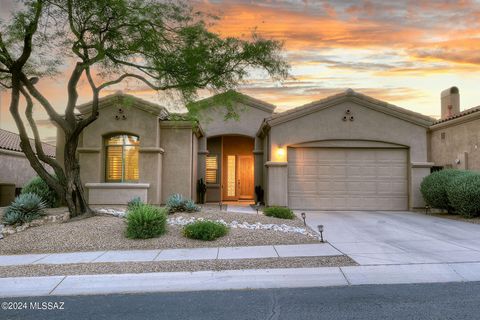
(347, 179)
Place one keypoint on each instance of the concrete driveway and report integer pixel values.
(379, 238)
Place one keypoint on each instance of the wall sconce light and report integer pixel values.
(304, 216)
(280, 151)
(320, 229)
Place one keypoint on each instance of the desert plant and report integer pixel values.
(25, 208)
(175, 203)
(279, 212)
(145, 222)
(434, 187)
(259, 192)
(205, 230)
(201, 190)
(464, 195)
(190, 206)
(39, 187)
(135, 202)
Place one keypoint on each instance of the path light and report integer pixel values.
(257, 206)
(320, 229)
(304, 216)
(220, 204)
(427, 209)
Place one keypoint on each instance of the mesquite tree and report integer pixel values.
(166, 45)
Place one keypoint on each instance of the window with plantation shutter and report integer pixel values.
(122, 158)
(211, 169)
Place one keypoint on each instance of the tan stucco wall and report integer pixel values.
(15, 168)
(143, 124)
(462, 142)
(178, 159)
(327, 124)
(213, 122)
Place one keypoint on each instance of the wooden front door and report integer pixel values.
(245, 177)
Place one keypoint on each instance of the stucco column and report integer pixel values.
(150, 165)
(258, 163)
(277, 173)
(202, 157)
(418, 171)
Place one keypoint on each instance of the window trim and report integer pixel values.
(212, 170)
(123, 146)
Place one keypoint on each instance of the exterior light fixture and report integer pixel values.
(257, 206)
(220, 205)
(320, 229)
(304, 216)
(280, 151)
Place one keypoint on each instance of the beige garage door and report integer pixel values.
(347, 179)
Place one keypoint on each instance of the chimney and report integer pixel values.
(450, 102)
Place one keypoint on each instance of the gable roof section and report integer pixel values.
(11, 141)
(464, 116)
(245, 99)
(359, 98)
(120, 97)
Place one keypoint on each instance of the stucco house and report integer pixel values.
(15, 170)
(346, 152)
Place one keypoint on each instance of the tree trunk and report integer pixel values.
(74, 191)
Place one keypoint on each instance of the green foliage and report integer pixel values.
(25, 208)
(39, 187)
(434, 187)
(135, 202)
(279, 212)
(145, 222)
(190, 206)
(464, 194)
(177, 203)
(205, 230)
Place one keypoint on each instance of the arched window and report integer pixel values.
(122, 158)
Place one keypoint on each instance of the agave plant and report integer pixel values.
(175, 203)
(25, 208)
(190, 206)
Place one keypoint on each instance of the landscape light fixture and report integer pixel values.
(304, 216)
(320, 229)
(257, 206)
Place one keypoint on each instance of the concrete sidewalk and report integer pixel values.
(238, 279)
(221, 253)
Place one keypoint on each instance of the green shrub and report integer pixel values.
(205, 230)
(25, 208)
(190, 206)
(41, 188)
(145, 222)
(177, 203)
(434, 187)
(464, 195)
(135, 202)
(279, 212)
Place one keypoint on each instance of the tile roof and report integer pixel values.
(461, 114)
(11, 141)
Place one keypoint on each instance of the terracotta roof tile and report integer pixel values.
(11, 141)
(461, 114)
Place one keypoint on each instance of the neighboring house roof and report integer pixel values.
(121, 97)
(11, 141)
(459, 115)
(359, 98)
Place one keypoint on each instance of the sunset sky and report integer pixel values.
(403, 52)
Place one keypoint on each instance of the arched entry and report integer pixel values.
(230, 168)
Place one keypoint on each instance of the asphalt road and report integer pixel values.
(420, 301)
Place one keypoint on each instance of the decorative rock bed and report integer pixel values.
(56, 217)
(181, 221)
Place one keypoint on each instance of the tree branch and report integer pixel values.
(38, 143)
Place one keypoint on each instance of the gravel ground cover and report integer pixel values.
(456, 217)
(107, 233)
(173, 266)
